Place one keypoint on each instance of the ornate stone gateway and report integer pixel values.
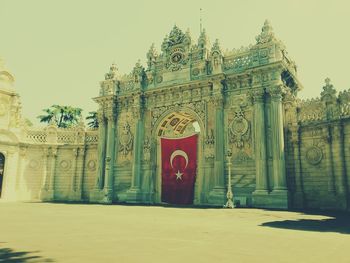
(233, 100)
(279, 151)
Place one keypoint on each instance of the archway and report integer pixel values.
(2, 171)
(178, 124)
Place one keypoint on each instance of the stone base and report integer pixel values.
(147, 198)
(75, 196)
(134, 195)
(217, 196)
(47, 195)
(277, 199)
(96, 196)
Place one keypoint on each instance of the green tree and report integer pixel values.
(92, 119)
(63, 116)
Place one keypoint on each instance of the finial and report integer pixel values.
(266, 34)
(327, 81)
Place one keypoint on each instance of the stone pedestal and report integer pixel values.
(47, 195)
(134, 195)
(277, 199)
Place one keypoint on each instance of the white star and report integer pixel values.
(178, 175)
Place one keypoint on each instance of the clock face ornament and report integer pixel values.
(176, 57)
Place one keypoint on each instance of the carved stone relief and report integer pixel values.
(314, 155)
(34, 164)
(65, 165)
(91, 165)
(239, 130)
(209, 145)
(126, 139)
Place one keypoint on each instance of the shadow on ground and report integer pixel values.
(11, 256)
(337, 223)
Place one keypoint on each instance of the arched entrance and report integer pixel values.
(178, 125)
(2, 171)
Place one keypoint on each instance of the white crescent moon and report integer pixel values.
(180, 153)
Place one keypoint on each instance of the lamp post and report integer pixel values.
(229, 194)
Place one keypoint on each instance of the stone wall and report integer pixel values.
(318, 151)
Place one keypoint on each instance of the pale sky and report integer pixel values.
(58, 51)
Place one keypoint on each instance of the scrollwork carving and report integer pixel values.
(239, 129)
(126, 140)
(314, 155)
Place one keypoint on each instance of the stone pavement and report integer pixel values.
(49, 232)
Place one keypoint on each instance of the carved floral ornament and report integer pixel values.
(91, 165)
(314, 155)
(126, 140)
(34, 164)
(209, 145)
(239, 129)
(65, 165)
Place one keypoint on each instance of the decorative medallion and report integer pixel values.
(314, 155)
(91, 165)
(159, 79)
(34, 164)
(65, 165)
(126, 140)
(195, 72)
(239, 129)
(174, 121)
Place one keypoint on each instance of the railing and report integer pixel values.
(62, 136)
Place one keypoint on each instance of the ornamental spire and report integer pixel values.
(329, 92)
(266, 34)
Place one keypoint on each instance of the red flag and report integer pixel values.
(179, 163)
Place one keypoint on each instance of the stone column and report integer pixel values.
(260, 142)
(218, 194)
(110, 156)
(134, 193)
(262, 188)
(101, 150)
(278, 159)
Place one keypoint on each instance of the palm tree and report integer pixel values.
(62, 116)
(92, 118)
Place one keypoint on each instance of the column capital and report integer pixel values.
(276, 92)
(217, 100)
(257, 95)
(100, 116)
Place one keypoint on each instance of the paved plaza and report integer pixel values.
(47, 232)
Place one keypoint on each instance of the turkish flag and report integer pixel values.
(179, 164)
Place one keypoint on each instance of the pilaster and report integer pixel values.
(134, 194)
(218, 194)
(48, 191)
